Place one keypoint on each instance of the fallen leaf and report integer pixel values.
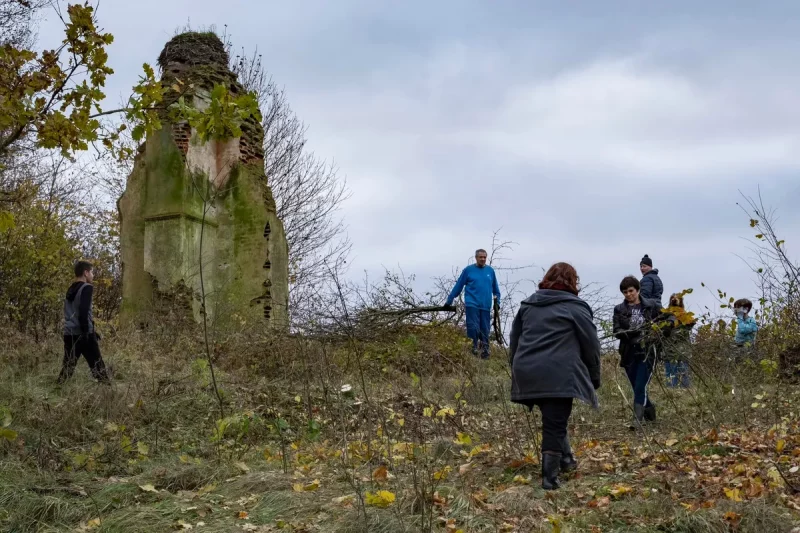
(243, 515)
(380, 474)
(184, 525)
(243, 467)
(382, 498)
(781, 444)
(733, 494)
(620, 490)
(299, 487)
(671, 442)
(93, 523)
(463, 438)
(148, 488)
(344, 500)
(605, 501)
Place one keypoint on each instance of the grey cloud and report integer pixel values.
(592, 134)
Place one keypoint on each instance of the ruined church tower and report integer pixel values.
(184, 195)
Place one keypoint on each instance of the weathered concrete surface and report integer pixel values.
(166, 221)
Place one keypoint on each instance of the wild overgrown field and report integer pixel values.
(404, 433)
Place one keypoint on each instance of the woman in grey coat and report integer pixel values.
(555, 357)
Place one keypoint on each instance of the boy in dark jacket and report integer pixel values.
(80, 337)
(632, 321)
(651, 286)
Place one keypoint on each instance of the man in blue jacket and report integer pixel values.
(481, 286)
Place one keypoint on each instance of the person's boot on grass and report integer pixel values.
(650, 412)
(638, 417)
(568, 461)
(551, 467)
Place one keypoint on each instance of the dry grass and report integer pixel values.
(85, 452)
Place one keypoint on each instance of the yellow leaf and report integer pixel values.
(299, 487)
(733, 494)
(382, 498)
(477, 450)
(780, 446)
(463, 438)
(142, 448)
(428, 412)
(184, 458)
(298, 399)
(148, 488)
(93, 523)
(671, 442)
(401, 422)
(442, 474)
(620, 490)
(521, 480)
(243, 467)
(442, 413)
(184, 525)
(243, 515)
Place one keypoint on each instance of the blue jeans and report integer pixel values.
(639, 373)
(478, 324)
(677, 374)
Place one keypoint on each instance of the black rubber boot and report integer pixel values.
(638, 417)
(650, 413)
(568, 462)
(551, 467)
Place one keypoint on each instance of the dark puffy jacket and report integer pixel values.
(651, 287)
(635, 345)
(554, 350)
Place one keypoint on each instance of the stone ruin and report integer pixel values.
(245, 254)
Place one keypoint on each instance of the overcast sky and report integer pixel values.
(591, 132)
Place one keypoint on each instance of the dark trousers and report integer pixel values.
(85, 345)
(639, 374)
(479, 323)
(555, 417)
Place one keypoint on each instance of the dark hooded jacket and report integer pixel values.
(651, 287)
(634, 345)
(554, 350)
(78, 318)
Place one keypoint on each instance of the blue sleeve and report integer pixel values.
(747, 325)
(462, 280)
(495, 287)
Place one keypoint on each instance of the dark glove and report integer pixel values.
(596, 383)
(448, 307)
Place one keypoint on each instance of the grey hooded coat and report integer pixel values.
(554, 350)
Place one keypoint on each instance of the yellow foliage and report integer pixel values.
(382, 498)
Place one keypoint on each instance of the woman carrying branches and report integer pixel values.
(639, 341)
(555, 358)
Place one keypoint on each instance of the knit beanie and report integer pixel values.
(646, 261)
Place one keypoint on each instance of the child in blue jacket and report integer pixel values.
(746, 326)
